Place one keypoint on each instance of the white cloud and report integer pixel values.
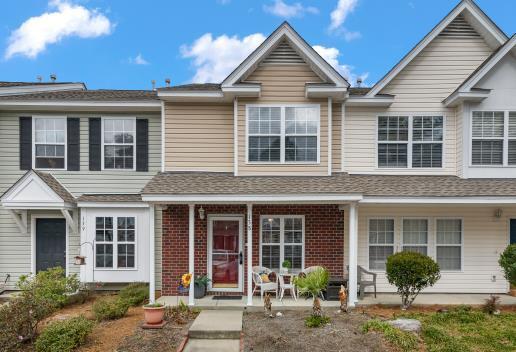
(282, 9)
(66, 20)
(223, 2)
(138, 60)
(215, 58)
(331, 55)
(341, 12)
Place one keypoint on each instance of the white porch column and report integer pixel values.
(191, 250)
(152, 279)
(353, 249)
(249, 254)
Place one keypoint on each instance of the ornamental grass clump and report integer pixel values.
(411, 272)
(313, 284)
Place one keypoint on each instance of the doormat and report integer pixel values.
(227, 298)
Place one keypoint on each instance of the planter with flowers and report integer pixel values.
(200, 286)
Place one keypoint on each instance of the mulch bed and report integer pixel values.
(288, 333)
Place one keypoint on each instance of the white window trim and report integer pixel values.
(428, 233)
(283, 134)
(451, 245)
(410, 142)
(281, 243)
(103, 118)
(115, 243)
(394, 243)
(505, 140)
(34, 118)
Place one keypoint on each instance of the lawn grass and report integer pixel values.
(459, 329)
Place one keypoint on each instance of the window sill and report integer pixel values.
(310, 163)
(112, 269)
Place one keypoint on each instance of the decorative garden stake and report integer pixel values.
(267, 305)
(343, 298)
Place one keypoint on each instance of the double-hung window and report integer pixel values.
(487, 138)
(381, 242)
(119, 143)
(283, 134)
(115, 242)
(49, 143)
(415, 235)
(282, 239)
(410, 141)
(449, 244)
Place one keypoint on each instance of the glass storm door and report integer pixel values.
(226, 253)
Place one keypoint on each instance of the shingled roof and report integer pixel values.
(56, 186)
(191, 183)
(88, 95)
(110, 198)
(20, 84)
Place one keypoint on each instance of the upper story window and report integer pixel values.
(410, 141)
(119, 143)
(492, 144)
(49, 140)
(283, 134)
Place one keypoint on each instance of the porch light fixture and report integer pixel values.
(201, 213)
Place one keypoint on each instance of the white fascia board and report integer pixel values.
(464, 5)
(81, 105)
(260, 198)
(307, 51)
(191, 93)
(112, 205)
(51, 87)
(370, 101)
(338, 93)
(37, 205)
(459, 97)
(439, 200)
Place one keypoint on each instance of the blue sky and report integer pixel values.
(126, 44)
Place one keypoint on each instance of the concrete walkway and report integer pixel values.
(215, 331)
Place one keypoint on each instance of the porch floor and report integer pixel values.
(289, 303)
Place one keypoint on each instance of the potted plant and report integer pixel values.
(508, 263)
(154, 314)
(286, 266)
(200, 285)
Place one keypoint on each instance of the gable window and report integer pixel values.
(283, 134)
(410, 141)
(119, 143)
(381, 242)
(282, 238)
(115, 242)
(449, 244)
(415, 235)
(49, 143)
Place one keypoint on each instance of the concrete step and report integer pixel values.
(204, 345)
(217, 324)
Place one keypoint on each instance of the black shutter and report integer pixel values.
(73, 143)
(142, 145)
(95, 143)
(25, 143)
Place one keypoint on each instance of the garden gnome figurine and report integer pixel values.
(267, 305)
(343, 298)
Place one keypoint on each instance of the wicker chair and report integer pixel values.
(264, 286)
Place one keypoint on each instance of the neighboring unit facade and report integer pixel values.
(283, 160)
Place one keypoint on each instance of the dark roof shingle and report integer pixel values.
(110, 198)
(193, 86)
(88, 95)
(56, 186)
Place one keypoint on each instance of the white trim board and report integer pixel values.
(259, 198)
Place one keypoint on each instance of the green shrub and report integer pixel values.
(411, 272)
(314, 321)
(508, 263)
(404, 340)
(110, 308)
(51, 284)
(135, 294)
(64, 336)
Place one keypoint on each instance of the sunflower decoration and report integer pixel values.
(186, 279)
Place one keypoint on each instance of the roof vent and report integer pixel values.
(459, 28)
(283, 54)
(39, 78)
(53, 77)
(359, 82)
(167, 82)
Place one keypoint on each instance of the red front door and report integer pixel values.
(225, 253)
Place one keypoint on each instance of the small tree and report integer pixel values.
(411, 272)
(508, 263)
(313, 284)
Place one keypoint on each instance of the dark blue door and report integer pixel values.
(513, 231)
(50, 243)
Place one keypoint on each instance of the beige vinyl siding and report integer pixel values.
(15, 249)
(282, 84)
(419, 88)
(484, 238)
(199, 137)
(336, 137)
(459, 125)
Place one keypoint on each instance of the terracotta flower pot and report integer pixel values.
(154, 315)
(512, 291)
